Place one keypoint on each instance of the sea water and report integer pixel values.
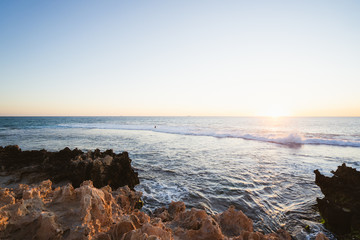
(262, 166)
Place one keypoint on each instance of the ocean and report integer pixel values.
(261, 165)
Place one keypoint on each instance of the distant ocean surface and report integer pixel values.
(263, 166)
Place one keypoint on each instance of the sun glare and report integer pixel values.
(275, 112)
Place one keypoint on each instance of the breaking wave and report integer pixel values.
(291, 139)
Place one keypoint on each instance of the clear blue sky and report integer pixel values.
(235, 58)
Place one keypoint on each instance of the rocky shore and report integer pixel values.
(74, 166)
(340, 208)
(44, 212)
(92, 198)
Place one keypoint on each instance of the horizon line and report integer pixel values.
(248, 116)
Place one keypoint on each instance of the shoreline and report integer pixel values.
(171, 222)
(92, 213)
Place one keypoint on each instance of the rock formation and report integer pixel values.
(103, 168)
(91, 201)
(340, 208)
(43, 212)
(64, 212)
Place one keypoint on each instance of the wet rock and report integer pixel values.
(74, 166)
(321, 236)
(340, 208)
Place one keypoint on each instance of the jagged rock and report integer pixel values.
(6, 197)
(234, 222)
(169, 214)
(163, 214)
(321, 236)
(44, 212)
(175, 208)
(196, 224)
(340, 207)
(122, 228)
(154, 230)
(280, 235)
(62, 213)
(103, 168)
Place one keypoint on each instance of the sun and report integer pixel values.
(274, 112)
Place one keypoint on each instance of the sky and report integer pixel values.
(179, 58)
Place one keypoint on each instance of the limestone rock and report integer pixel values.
(280, 235)
(195, 224)
(234, 222)
(63, 213)
(169, 214)
(44, 212)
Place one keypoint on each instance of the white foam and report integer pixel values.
(343, 143)
(162, 192)
(290, 139)
(295, 139)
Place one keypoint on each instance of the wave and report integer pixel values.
(292, 139)
(158, 192)
(295, 139)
